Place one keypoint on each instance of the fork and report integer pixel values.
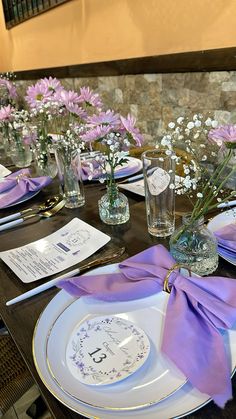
(46, 214)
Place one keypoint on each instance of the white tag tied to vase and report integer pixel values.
(158, 181)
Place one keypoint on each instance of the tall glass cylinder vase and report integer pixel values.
(45, 164)
(159, 177)
(70, 176)
(21, 154)
(5, 138)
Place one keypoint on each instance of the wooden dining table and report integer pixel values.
(21, 318)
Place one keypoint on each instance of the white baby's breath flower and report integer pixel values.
(190, 125)
(199, 195)
(208, 122)
(180, 120)
(171, 125)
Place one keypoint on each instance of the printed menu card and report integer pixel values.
(66, 247)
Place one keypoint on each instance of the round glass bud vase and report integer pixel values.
(21, 155)
(114, 206)
(195, 246)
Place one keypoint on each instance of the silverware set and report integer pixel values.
(49, 208)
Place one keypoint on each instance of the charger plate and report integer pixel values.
(219, 221)
(25, 198)
(183, 402)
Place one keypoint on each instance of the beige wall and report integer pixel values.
(85, 31)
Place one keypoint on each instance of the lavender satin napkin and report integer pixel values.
(19, 184)
(198, 310)
(226, 237)
(91, 169)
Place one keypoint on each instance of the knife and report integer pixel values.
(103, 258)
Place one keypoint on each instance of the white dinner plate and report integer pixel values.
(219, 221)
(184, 401)
(154, 381)
(28, 196)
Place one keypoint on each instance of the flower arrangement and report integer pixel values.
(64, 112)
(8, 93)
(115, 134)
(203, 142)
(17, 137)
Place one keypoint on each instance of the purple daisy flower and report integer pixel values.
(6, 113)
(129, 125)
(70, 99)
(10, 87)
(37, 94)
(96, 133)
(89, 97)
(224, 135)
(52, 84)
(105, 118)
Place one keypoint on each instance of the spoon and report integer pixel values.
(49, 203)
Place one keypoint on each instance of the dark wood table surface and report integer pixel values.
(21, 318)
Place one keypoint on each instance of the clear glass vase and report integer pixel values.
(159, 179)
(45, 164)
(195, 246)
(70, 176)
(5, 140)
(114, 206)
(21, 154)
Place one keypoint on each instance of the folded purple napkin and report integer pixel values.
(198, 310)
(18, 184)
(92, 169)
(226, 237)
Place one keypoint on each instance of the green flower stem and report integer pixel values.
(207, 205)
(212, 182)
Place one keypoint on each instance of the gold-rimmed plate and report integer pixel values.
(150, 384)
(184, 401)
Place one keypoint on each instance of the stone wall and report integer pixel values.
(156, 99)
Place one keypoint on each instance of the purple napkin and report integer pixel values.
(18, 184)
(91, 168)
(198, 310)
(226, 237)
